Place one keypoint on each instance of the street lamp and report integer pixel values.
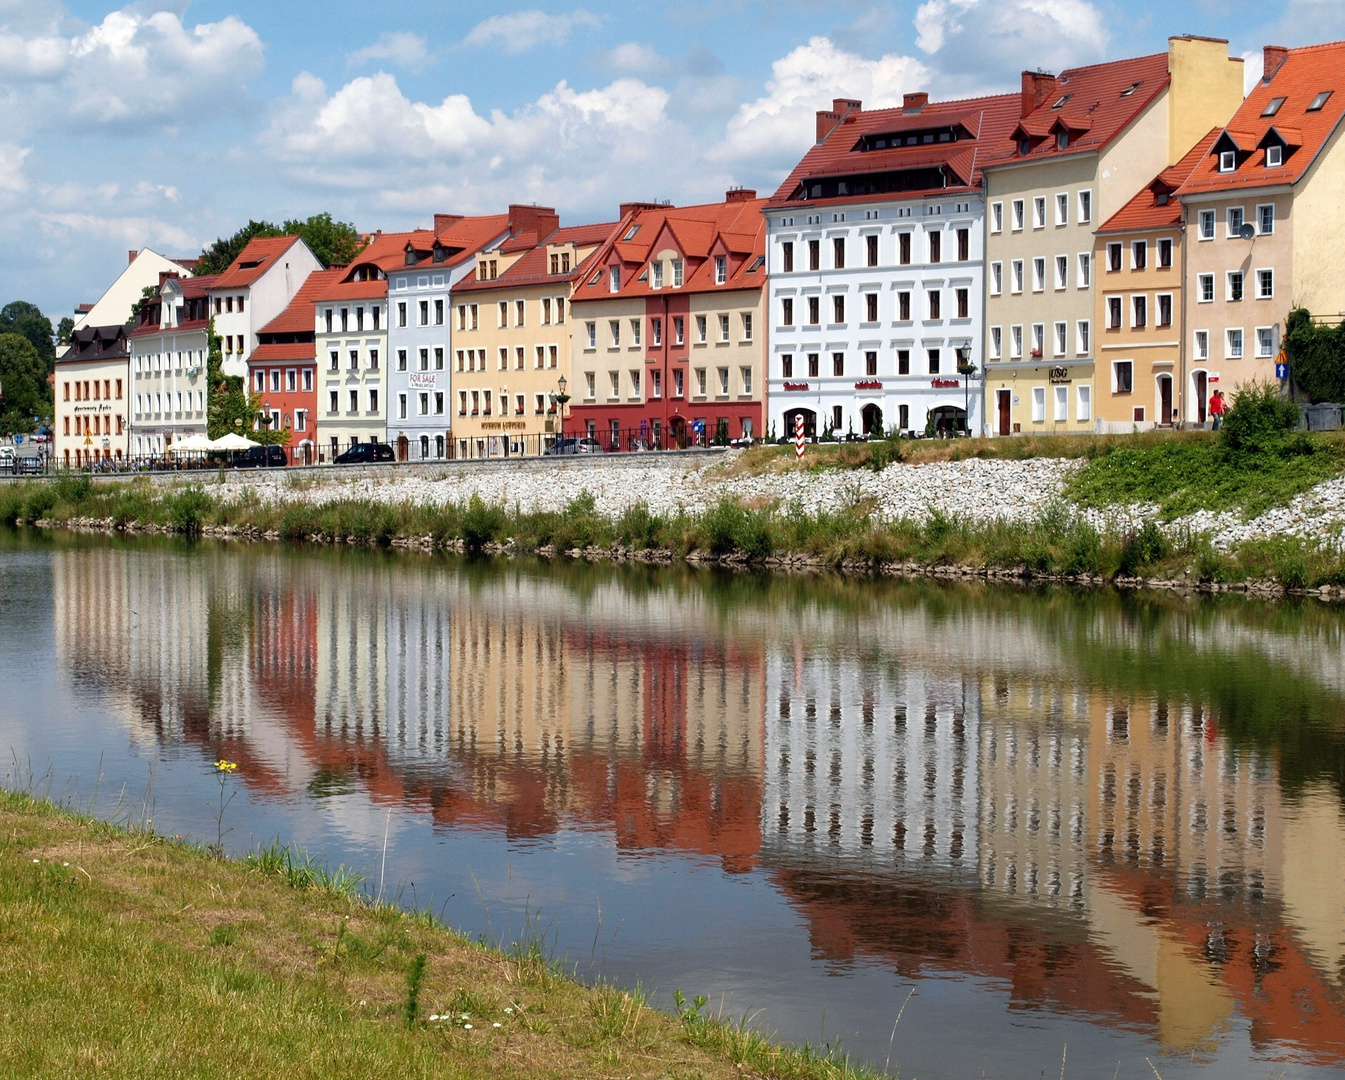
(966, 369)
(561, 398)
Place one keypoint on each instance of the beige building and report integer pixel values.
(511, 338)
(1277, 168)
(1087, 140)
(1138, 257)
(92, 377)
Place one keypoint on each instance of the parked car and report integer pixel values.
(30, 463)
(261, 457)
(590, 446)
(6, 458)
(369, 453)
(561, 446)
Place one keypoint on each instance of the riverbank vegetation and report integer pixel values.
(143, 956)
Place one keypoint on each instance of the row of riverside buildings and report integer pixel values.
(1098, 252)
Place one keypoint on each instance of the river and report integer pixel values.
(1037, 820)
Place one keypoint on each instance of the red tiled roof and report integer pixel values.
(254, 260)
(1156, 206)
(151, 329)
(979, 122)
(1099, 103)
(533, 268)
(1304, 74)
(298, 316)
(193, 288)
(293, 350)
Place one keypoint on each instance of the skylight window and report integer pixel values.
(1061, 103)
(630, 234)
(1131, 88)
(1319, 101)
(1273, 107)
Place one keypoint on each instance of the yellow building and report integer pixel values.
(511, 337)
(1087, 140)
(1141, 306)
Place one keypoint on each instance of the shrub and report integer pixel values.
(39, 502)
(1083, 550)
(883, 453)
(187, 510)
(1142, 548)
(1291, 570)
(638, 528)
(729, 527)
(1259, 420)
(73, 488)
(481, 524)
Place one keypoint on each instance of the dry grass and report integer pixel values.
(128, 955)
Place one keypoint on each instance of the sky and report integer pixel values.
(169, 123)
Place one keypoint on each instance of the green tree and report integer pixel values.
(216, 258)
(21, 317)
(333, 242)
(147, 296)
(24, 392)
(1316, 357)
(64, 330)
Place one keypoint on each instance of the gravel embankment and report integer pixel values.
(975, 489)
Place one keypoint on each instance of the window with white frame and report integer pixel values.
(615, 377)
(614, 327)
(1139, 255)
(1265, 219)
(1038, 274)
(1038, 404)
(1113, 257)
(1039, 212)
(1165, 254)
(635, 325)
(1061, 412)
(1265, 284)
(1113, 313)
(721, 269)
(1122, 376)
(1083, 336)
(1016, 276)
(1234, 286)
(1085, 207)
(1228, 161)
(723, 328)
(996, 278)
(1233, 344)
(1061, 338)
(1205, 288)
(1274, 156)
(1038, 338)
(1016, 215)
(589, 387)
(1062, 208)
(1202, 345)
(700, 329)
(1139, 311)
(591, 329)
(1236, 219)
(997, 217)
(1265, 341)
(1164, 312)
(614, 279)
(1015, 342)
(1062, 271)
(1083, 403)
(996, 342)
(1206, 225)
(1085, 269)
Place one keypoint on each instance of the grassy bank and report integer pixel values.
(138, 956)
(1059, 543)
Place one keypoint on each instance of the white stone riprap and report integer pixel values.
(975, 489)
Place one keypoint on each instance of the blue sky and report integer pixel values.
(170, 123)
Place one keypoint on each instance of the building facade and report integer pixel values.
(144, 268)
(92, 380)
(255, 288)
(876, 268)
(169, 393)
(1263, 212)
(667, 335)
(1085, 142)
(512, 341)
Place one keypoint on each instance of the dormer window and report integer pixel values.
(1320, 101)
(1129, 90)
(1061, 103)
(1273, 107)
(1274, 156)
(440, 252)
(721, 269)
(1062, 140)
(614, 279)
(1228, 161)
(1024, 147)
(657, 268)
(410, 255)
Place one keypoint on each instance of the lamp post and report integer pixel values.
(966, 369)
(561, 398)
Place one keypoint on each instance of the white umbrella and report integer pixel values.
(232, 442)
(191, 444)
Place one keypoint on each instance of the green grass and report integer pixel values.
(133, 956)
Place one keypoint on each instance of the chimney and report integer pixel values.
(1273, 57)
(913, 103)
(628, 208)
(1037, 87)
(541, 220)
(827, 121)
(444, 222)
(130, 257)
(740, 195)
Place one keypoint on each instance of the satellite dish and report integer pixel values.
(1247, 231)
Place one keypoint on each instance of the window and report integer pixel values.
(354, 401)
(1202, 345)
(871, 252)
(1085, 269)
(903, 306)
(1165, 254)
(354, 360)
(933, 356)
(814, 310)
(814, 254)
(933, 304)
(560, 305)
(904, 248)
(963, 303)
(903, 361)
(997, 217)
(871, 307)
(1085, 207)
(677, 273)
(723, 328)
(812, 365)
(1139, 311)
(1207, 224)
(1122, 376)
(656, 272)
(332, 404)
(963, 245)
(1016, 276)
(1274, 156)
(1236, 219)
(1038, 404)
(837, 417)
(1265, 219)
(373, 359)
(1061, 271)
(614, 279)
(838, 252)
(502, 319)
(1139, 255)
(1265, 284)
(1113, 313)
(475, 311)
(1113, 258)
(996, 342)
(1061, 412)
(1233, 350)
(656, 333)
(1228, 161)
(1061, 338)
(679, 330)
(439, 358)
(373, 400)
(1015, 343)
(838, 309)
(700, 382)
(1272, 107)
(1265, 341)
(1082, 336)
(871, 363)
(1062, 209)
(334, 360)
(635, 325)
(1038, 274)
(747, 325)
(1039, 212)
(996, 278)
(656, 383)
(1234, 292)
(787, 257)
(1319, 101)
(615, 377)
(838, 364)
(424, 315)
(589, 387)
(935, 247)
(1205, 288)
(592, 330)
(787, 312)
(700, 329)
(721, 269)
(723, 381)
(1038, 335)
(787, 365)
(746, 374)
(1164, 309)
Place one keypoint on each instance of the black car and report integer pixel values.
(368, 453)
(261, 457)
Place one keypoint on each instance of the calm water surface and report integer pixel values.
(1088, 820)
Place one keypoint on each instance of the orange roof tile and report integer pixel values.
(1303, 75)
(254, 260)
(534, 267)
(1156, 206)
(288, 350)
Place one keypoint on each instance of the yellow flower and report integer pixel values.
(225, 766)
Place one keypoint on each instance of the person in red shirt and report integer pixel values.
(1217, 408)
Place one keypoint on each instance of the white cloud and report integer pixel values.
(635, 59)
(12, 178)
(991, 41)
(520, 31)
(127, 232)
(404, 50)
(777, 128)
(131, 68)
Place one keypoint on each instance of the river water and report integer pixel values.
(1037, 820)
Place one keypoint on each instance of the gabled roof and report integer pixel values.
(299, 316)
(1298, 76)
(460, 238)
(1156, 206)
(96, 343)
(260, 254)
(366, 276)
(869, 142)
(1093, 104)
(193, 288)
(534, 267)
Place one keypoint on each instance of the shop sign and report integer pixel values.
(796, 386)
(1058, 375)
(944, 384)
(423, 380)
(868, 384)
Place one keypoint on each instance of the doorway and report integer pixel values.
(403, 448)
(1003, 401)
(1165, 400)
(809, 423)
(1199, 391)
(677, 432)
(871, 417)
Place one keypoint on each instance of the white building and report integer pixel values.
(144, 268)
(168, 349)
(875, 248)
(255, 288)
